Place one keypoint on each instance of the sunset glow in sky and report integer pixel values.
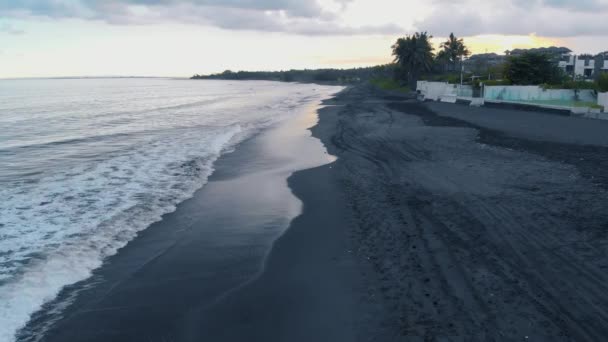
(42, 38)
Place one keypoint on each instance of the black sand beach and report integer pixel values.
(437, 223)
(213, 243)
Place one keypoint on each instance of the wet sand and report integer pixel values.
(437, 223)
(213, 243)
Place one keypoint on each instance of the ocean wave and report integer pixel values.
(60, 224)
(74, 221)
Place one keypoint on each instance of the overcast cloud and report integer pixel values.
(556, 18)
(553, 18)
(10, 29)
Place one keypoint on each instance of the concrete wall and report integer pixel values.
(534, 93)
(439, 90)
(435, 90)
(602, 100)
(595, 115)
(464, 91)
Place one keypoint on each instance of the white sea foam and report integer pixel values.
(92, 195)
(60, 229)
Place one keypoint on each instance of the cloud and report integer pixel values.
(251, 19)
(304, 17)
(91, 8)
(6, 28)
(578, 5)
(558, 18)
(554, 18)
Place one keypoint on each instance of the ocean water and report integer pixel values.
(85, 164)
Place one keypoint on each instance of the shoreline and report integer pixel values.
(214, 242)
(447, 228)
(311, 287)
(435, 222)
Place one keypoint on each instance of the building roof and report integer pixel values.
(553, 50)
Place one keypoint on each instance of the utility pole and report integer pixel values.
(488, 66)
(461, 72)
(574, 67)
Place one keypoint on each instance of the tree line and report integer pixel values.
(353, 75)
(414, 57)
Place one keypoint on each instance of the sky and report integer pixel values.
(178, 38)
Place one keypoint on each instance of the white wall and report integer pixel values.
(534, 93)
(464, 91)
(435, 90)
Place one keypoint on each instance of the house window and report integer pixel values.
(588, 72)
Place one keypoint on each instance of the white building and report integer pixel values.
(586, 66)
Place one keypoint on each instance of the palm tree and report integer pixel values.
(463, 52)
(455, 50)
(414, 55)
(442, 60)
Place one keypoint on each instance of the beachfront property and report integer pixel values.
(583, 102)
(482, 62)
(551, 50)
(585, 65)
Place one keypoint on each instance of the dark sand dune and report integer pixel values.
(459, 232)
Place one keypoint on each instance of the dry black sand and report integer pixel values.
(437, 223)
(484, 227)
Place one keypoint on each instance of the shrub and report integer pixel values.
(389, 84)
(532, 69)
(496, 83)
(602, 82)
(453, 78)
(576, 85)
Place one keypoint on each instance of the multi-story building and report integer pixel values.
(585, 65)
(485, 59)
(579, 66)
(601, 63)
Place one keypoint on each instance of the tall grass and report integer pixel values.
(389, 84)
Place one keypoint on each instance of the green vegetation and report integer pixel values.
(449, 62)
(413, 56)
(532, 69)
(414, 59)
(453, 52)
(486, 65)
(497, 82)
(599, 85)
(341, 76)
(443, 77)
(602, 83)
(570, 84)
(389, 84)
